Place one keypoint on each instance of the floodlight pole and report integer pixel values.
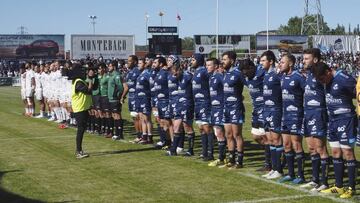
(267, 24)
(217, 29)
(93, 18)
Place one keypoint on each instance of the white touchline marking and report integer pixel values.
(333, 198)
(35, 138)
(274, 199)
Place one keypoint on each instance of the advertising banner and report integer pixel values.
(107, 46)
(336, 43)
(295, 44)
(206, 44)
(32, 46)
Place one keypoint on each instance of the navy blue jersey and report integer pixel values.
(153, 73)
(216, 90)
(142, 88)
(233, 87)
(131, 77)
(272, 90)
(256, 86)
(161, 85)
(314, 95)
(173, 85)
(200, 85)
(293, 87)
(185, 90)
(340, 94)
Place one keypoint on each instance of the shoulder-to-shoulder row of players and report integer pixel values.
(315, 103)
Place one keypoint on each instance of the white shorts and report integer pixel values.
(29, 92)
(258, 131)
(38, 94)
(23, 95)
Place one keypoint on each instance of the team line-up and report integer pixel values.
(289, 104)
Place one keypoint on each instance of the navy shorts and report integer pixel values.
(172, 109)
(342, 132)
(163, 109)
(202, 112)
(292, 126)
(233, 116)
(315, 123)
(272, 121)
(104, 103)
(132, 104)
(143, 105)
(154, 102)
(185, 112)
(217, 116)
(257, 119)
(96, 102)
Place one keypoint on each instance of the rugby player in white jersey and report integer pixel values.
(39, 89)
(46, 83)
(22, 87)
(52, 91)
(57, 91)
(30, 89)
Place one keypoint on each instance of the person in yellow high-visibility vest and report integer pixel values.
(81, 103)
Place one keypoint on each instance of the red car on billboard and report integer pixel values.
(38, 48)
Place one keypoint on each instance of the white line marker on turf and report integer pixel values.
(34, 138)
(274, 199)
(333, 198)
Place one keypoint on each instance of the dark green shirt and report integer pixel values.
(103, 84)
(95, 87)
(115, 87)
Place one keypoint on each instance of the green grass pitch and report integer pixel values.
(37, 164)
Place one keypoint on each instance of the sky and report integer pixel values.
(128, 17)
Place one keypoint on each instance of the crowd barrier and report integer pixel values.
(9, 81)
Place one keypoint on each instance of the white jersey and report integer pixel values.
(38, 81)
(44, 78)
(22, 85)
(30, 74)
(22, 81)
(52, 85)
(45, 82)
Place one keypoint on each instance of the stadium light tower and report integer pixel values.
(217, 29)
(312, 19)
(93, 18)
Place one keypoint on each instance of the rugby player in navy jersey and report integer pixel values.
(162, 92)
(254, 77)
(340, 92)
(217, 107)
(293, 86)
(315, 123)
(131, 77)
(272, 113)
(183, 115)
(143, 102)
(173, 82)
(154, 70)
(201, 93)
(233, 109)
